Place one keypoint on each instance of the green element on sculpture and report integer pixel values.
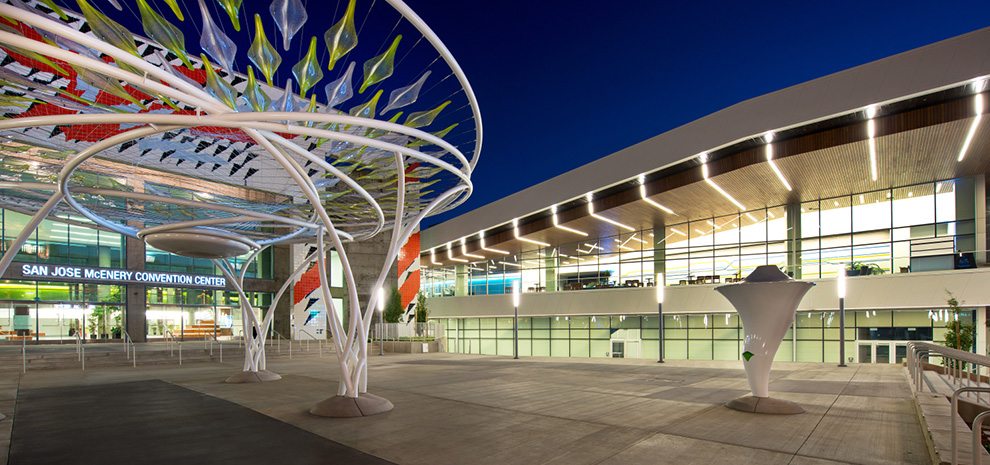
(32, 55)
(256, 97)
(341, 37)
(175, 9)
(425, 118)
(217, 86)
(106, 84)
(108, 30)
(367, 109)
(307, 71)
(380, 67)
(262, 53)
(58, 10)
(747, 355)
(441, 134)
(232, 8)
(163, 32)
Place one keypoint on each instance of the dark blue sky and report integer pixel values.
(562, 83)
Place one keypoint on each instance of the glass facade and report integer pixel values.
(913, 228)
(60, 310)
(814, 337)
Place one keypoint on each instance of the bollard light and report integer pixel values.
(515, 319)
(661, 284)
(840, 287)
(381, 321)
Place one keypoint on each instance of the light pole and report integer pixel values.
(660, 291)
(515, 320)
(381, 321)
(840, 286)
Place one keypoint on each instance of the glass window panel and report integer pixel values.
(836, 216)
(871, 211)
(810, 226)
(700, 350)
(599, 348)
(776, 218)
(726, 350)
(913, 205)
(945, 202)
(754, 228)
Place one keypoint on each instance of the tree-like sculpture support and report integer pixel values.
(766, 302)
(219, 236)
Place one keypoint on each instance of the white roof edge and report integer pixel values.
(919, 70)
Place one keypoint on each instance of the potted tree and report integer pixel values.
(422, 312)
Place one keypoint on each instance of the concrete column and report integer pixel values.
(282, 267)
(460, 280)
(980, 199)
(135, 295)
(551, 272)
(793, 214)
(659, 250)
(366, 258)
(981, 330)
(968, 201)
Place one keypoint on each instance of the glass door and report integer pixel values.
(881, 352)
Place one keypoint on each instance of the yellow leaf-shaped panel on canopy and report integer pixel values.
(380, 67)
(341, 37)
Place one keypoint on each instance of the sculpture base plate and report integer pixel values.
(768, 405)
(364, 405)
(259, 376)
(2, 417)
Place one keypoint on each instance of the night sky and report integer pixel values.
(562, 83)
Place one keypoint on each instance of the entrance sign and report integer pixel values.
(114, 275)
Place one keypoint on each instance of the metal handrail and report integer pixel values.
(960, 367)
(170, 341)
(977, 427)
(129, 348)
(977, 438)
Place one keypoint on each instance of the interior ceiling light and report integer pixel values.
(481, 240)
(465, 253)
(450, 255)
(591, 211)
(556, 224)
(678, 231)
(704, 172)
(433, 256)
(871, 133)
(773, 165)
(512, 264)
(642, 193)
(978, 109)
(623, 246)
(634, 238)
(592, 246)
(515, 231)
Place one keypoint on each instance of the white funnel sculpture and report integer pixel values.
(766, 301)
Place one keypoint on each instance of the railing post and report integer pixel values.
(977, 445)
(24, 363)
(180, 353)
(84, 358)
(221, 351)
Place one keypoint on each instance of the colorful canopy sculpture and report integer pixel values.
(166, 124)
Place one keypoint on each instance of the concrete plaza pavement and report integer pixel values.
(458, 409)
